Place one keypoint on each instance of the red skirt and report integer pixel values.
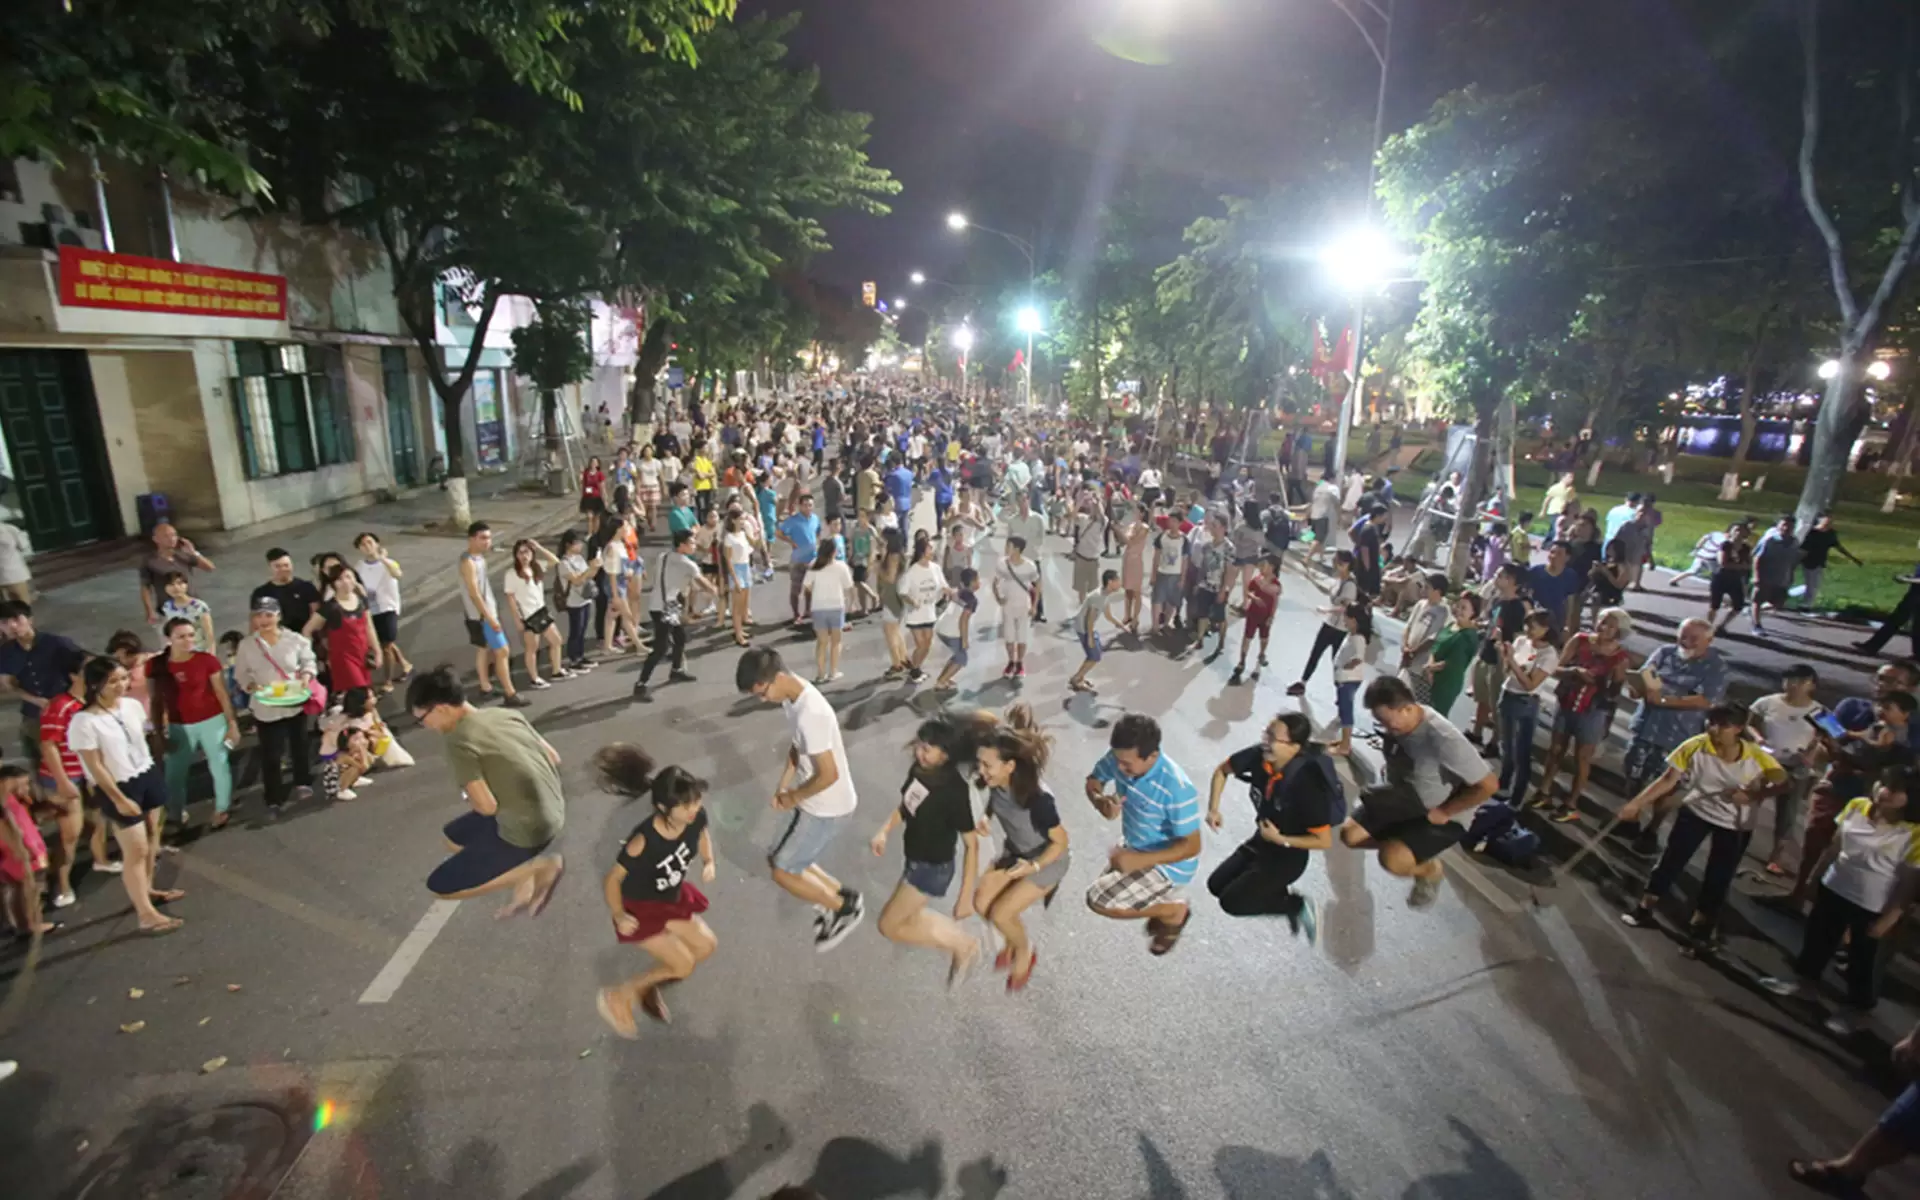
(653, 915)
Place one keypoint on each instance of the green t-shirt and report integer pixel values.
(862, 546)
(497, 745)
(1453, 650)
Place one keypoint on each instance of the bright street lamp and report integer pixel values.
(899, 301)
(1830, 368)
(963, 339)
(1027, 321)
(956, 221)
(1362, 260)
(918, 278)
(1878, 369)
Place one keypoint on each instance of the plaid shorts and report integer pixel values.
(1132, 891)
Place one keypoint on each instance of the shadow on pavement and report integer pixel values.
(1249, 1174)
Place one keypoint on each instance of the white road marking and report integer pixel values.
(408, 956)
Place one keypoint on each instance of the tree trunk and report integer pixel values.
(1472, 492)
(1843, 414)
(641, 398)
(550, 441)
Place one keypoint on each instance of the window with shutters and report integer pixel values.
(291, 408)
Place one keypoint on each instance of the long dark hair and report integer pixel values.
(958, 734)
(95, 676)
(533, 561)
(627, 770)
(1018, 739)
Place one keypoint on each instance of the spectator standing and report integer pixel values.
(295, 598)
(1675, 686)
(1774, 560)
(274, 654)
(169, 553)
(37, 665)
(192, 711)
(380, 577)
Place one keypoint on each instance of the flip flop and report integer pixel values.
(164, 928)
(1823, 1178)
(611, 1016)
(166, 897)
(1018, 983)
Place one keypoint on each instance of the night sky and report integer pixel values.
(1023, 112)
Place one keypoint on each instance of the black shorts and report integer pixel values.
(1206, 605)
(1730, 586)
(592, 505)
(860, 574)
(482, 858)
(1771, 593)
(386, 628)
(1395, 814)
(147, 789)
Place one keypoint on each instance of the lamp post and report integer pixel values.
(1379, 39)
(963, 342)
(960, 223)
(1028, 322)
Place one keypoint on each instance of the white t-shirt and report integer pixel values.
(383, 590)
(647, 471)
(739, 548)
(120, 736)
(1354, 647)
(1783, 726)
(1089, 535)
(1326, 500)
(1871, 855)
(574, 564)
(1707, 778)
(921, 586)
(816, 730)
(916, 447)
(1527, 655)
(830, 585)
(1016, 582)
(1169, 554)
(1032, 528)
(529, 595)
(1149, 478)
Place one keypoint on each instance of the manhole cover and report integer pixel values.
(233, 1152)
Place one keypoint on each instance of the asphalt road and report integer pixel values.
(1483, 1048)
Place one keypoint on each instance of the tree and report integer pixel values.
(1873, 69)
(552, 352)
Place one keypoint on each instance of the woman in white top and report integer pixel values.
(1527, 663)
(578, 581)
(1868, 876)
(647, 473)
(525, 584)
(1358, 650)
(828, 583)
(129, 788)
(922, 587)
(736, 548)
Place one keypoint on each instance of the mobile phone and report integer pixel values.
(1828, 724)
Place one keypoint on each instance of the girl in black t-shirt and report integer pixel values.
(648, 893)
(935, 808)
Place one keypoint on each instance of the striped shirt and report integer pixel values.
(1156, 810)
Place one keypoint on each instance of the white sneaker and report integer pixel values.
(347, 794)
(64, 900)
(7, 1068)
(1779, 986)
(539, 684)
(112, 866)
(1840, 1025)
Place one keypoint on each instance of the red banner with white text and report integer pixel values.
(97, 279)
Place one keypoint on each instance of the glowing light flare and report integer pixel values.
(1027, 320)
(1363, 259)
(1879, 369)
(324, 1115)
(963, 339)
(1830, 368)
(918, 278)
(956, 221)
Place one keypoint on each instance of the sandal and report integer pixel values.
(1166, 937)
(166, 897)
(1823, 1177)
(163, 928)
(1018, 983)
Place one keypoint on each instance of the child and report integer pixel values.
(1519, 542)
(955, 625)
(1086, 623)
(1499, 538)
(23, 854)
(1333, 626)
(1263, 594)
(346, 745)
(181, 603)
(1357, 650)
(648, 894)
(1401, 585)
(860, 548)
(1169, 564)
(1784, 721)
(229, 647)
(1527, 662)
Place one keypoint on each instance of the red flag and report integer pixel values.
(1342, 358)
(1317, 366)
(1019, 357)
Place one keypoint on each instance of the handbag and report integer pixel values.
(317, 691)
(539, 620)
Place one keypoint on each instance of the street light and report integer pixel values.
(918, 278)
(1027, 321)
(1830, 368)
(1362, 260)
(899, 301)
(956, 221)
(963, 342)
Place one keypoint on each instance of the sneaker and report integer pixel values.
(516, 701)
(301, 794)
(836, 675)
(1639, 918)
(538, 684)
(112, 866)
(915, 675)
(1425, 892)
(840, 924)
(893, 673)
(64, 900)
(1310, 919)
(1235, 678)
(680, 677)
(347, 794)
(1006, 672)
(642, 693)
(1020, 671)
(1840, 1025)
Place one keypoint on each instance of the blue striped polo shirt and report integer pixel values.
(1156, 810)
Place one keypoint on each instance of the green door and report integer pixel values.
(61, 479)
(403, 432)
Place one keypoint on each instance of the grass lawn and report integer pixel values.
(1885, 542)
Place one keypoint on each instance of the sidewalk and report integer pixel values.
(413, 529)
(1761, 940)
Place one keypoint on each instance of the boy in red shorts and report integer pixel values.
(1263, 594)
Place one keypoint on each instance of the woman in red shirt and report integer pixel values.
(192, 709)
(1592, 668)
(593, 502)
(343, 614)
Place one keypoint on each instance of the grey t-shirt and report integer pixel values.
(1775, 558)
(676, 572)
(1026, 828)
(1435, 760)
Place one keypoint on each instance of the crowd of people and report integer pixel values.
(937, 520)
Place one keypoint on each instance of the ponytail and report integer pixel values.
(1019, 739)
(624, 770)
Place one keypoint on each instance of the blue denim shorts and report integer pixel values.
(1586, 729)
(1090, 646)
(742, 575)
(929, 879)
(829, 620)
(1901, 1121)
(805, 840)
(955, 647)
